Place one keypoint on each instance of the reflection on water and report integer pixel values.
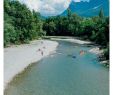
(61, 74)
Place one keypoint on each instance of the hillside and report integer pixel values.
(88, 9)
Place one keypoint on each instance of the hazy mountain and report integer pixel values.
(89, 9)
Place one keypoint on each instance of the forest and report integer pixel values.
(22, 25)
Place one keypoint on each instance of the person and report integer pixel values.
(42, 53)
(81, 52)
(44, 47)
(39, 49)
(41, 42)
(73, 56)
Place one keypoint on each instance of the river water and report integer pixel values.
(62, 74)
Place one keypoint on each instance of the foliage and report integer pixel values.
(101, 13)
(9, 34)
(106, 53)
(21, 25)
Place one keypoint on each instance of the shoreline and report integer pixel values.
(26, 54)
(18, 57)
(95, 50)
(69, 39)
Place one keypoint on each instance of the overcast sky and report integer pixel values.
(48, 7)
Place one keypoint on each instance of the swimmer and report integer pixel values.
(82, 52)
(73, 56)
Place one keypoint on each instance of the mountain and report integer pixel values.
(88, 9)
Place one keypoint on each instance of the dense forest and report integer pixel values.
(22, 25)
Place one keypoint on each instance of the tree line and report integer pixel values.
(22, 25)
(95, 28)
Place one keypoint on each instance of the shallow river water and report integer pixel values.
(62, 74)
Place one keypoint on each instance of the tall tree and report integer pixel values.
(101, 13)
(69, 13)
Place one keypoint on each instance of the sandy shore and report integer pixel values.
(96, 50)
(18, 57)
(72, 39)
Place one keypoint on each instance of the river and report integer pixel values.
(62, 74)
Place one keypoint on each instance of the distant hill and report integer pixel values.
(88, 9)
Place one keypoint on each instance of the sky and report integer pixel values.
(48, 7)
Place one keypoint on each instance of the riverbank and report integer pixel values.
(69, 39)
(95, 50)
(18, 57)
(56, 74)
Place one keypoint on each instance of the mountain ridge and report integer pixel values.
(89, 9)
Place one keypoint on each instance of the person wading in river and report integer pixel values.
(82, 52)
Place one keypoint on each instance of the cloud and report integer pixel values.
(80, 0)
(47, 7)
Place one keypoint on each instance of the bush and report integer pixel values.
(9, 34)
(106, 53)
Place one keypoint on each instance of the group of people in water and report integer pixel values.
(82, 52)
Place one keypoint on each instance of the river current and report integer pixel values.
(64, 72)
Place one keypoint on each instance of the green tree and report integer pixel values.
(69, 13)
(101, 13)
(9, 34)
(27, 25)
